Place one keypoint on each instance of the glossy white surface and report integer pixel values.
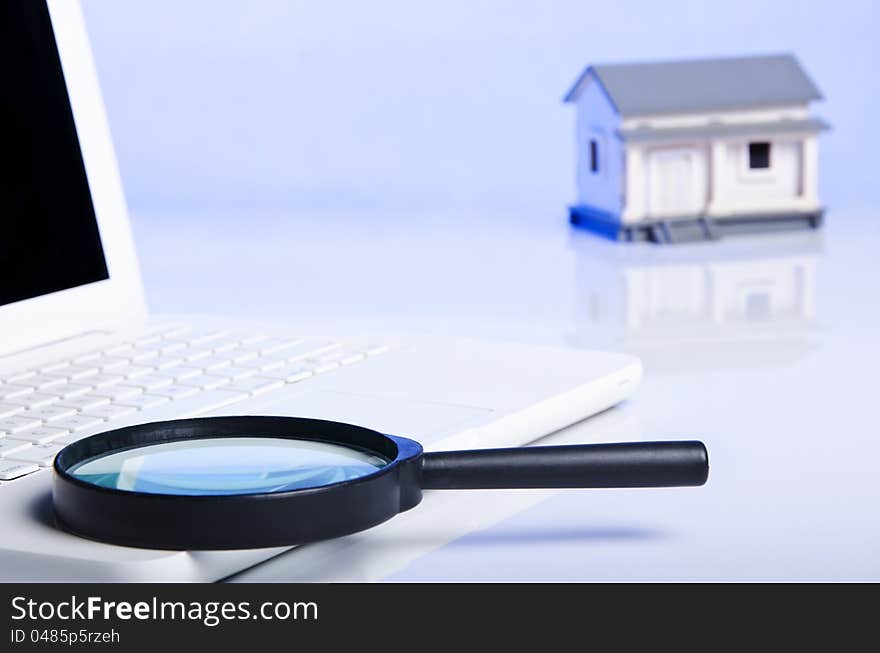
(764, 347)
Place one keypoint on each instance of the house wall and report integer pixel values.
(653, 191)
(776, 188)
(597, 119)
(721, 178)
(677, 177)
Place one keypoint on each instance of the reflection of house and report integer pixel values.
(753, 300)
(690, 150)
(721, 293)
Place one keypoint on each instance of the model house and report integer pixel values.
(688, 150)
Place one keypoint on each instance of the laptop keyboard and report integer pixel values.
(176, 371)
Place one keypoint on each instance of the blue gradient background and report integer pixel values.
(313, 106)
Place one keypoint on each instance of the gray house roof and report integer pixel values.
(701, 84)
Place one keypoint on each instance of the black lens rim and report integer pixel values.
(236, 521)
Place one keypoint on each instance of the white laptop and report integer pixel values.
(79, 353)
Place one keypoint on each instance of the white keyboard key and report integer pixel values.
(272, 363)
(326, 362)
(196, 404)
(182, 334)
(255, 385)
(85, 402)
(212, 363)
(69, 390)
(236, 372)
(352, 357)
(74, 372)
(172, 347)
(206, 381)
(20, 377)
(12, 390)
(148, 339)
(150, 381)
(111, 411)
(35, 400)
(118, 392)
(290, 373)
(272, 345)
(104, 380)
(195, 353)
(7, 410)
(16, 423)
(40, 381)
(242, 354)
(50, 413)
(159, 347)
(249, 338)
(100, 427)
(203, 336)
(164, 362)
(80, 422)
(9, 447)
(54, 366)
(175, 391)
(268, 362)
(320, 368)
(87, 357)
(136, 371)
(144, 402)
(119, 349)
(112, 364)
(39, 454)
(310, 349)
(336, 355)
(70, 438)
(10, 469)
(142, 354)
(41, 434)
(186, 372)
(225, 343)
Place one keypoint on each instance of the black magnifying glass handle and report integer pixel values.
(636, 464)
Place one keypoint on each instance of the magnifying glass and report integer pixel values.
(249, 482)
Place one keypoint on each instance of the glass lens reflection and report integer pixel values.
(222, 466)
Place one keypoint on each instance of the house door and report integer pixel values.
(676, 182)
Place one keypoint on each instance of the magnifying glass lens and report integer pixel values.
(228, 465)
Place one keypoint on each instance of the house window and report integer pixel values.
(759, 155)
(594, 155)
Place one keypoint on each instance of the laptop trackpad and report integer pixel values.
(421, 420)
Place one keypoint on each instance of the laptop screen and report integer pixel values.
(49, 239)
